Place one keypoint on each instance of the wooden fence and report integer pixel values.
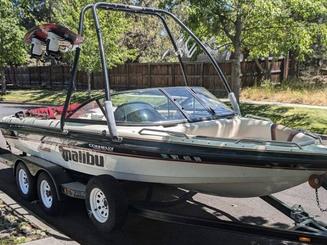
(135, 75)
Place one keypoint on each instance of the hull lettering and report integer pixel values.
(83, 157)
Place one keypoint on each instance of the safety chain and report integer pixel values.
(318, 202)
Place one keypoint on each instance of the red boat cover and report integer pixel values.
(50, 112)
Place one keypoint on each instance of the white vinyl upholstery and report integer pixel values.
(235, 128)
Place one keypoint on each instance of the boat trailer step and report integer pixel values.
(7, 157)
(74, 189)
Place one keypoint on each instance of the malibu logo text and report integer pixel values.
(82, 157)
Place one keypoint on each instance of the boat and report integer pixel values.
(180, 136)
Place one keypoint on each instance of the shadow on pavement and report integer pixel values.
(75, 224)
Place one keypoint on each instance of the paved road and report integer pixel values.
(75, 223)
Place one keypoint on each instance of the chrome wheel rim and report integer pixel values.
(99, 205)
(46, 194)
(24, 185)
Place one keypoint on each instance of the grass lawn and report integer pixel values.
(314, 120)
(299, 92)
(287, 95)
(42, 96)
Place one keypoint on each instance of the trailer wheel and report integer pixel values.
(47, 194)
(25, 182)
(106, 203)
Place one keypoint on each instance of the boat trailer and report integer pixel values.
(306, 229)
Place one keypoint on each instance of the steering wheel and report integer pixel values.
(137, 110)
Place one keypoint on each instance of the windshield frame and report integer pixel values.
(187, 118)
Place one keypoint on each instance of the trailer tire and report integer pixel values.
(106, 203)
(25, 182)
(47, 193)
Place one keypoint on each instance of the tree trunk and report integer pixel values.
(236, 73)
(285, 68)
(236, 68)
(3, 81)
(292, 73)
(262, 72)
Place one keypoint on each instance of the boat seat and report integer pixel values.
(235, 128)
(246, 128)
(282, 133)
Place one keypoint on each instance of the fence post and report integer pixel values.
(93, 85)
(149, 74)
(4, 88)
(202, 74)
(50, 77)
(172, 73)
(29, 77)
(40, 76)
(128, 76)
(3, 81)
(14, 75)
(63, 77)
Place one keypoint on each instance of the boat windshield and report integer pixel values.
(145, 106)
(168, 104)
(198, 103)
(157, 106)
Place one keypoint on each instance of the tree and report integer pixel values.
(147, 35)
(260, 28)
(34, 12)
(310, 16)
(227, 17)
(113, 26)
(12, 50)
(144, 37)
(291, 26)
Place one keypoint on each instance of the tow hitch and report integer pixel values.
(317, 181)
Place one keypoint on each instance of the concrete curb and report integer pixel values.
(48, 241)
(55, 237)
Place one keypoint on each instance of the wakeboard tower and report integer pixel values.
(91, 149)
